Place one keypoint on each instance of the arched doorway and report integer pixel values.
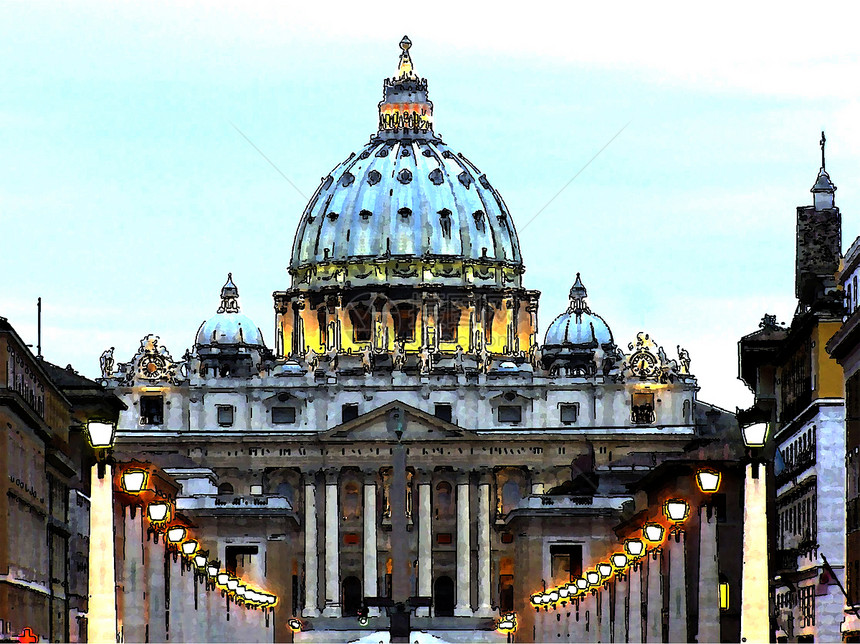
(443, 597)
(351, 596)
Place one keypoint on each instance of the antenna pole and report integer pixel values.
(39, 326)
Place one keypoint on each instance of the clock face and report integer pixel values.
(152, 368)
(643, 363)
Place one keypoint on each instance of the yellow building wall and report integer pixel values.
(829, 380)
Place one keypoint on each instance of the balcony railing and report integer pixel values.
(802, 461)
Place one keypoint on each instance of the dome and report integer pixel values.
(581, 329)
(229, 327)
(578, 326)
(405, 194)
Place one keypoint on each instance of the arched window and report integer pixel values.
(444, 500)
(404, 315)
(449, 320)
(360, 317)
(285, 490)
(351, 501)
(321, 323)
(225, 488)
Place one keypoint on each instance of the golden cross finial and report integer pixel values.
(404, 69)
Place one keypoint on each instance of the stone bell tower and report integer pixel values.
(819, 241)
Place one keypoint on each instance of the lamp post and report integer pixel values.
(755, 620)
(101, 605)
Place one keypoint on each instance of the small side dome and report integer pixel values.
(578, 327)
(228, 327)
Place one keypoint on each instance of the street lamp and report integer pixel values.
(619, 560)
(158, 512)
(175, 534)
(653, 532)
(133, 480)
(604, 569)
(676, 510)
(189, 547)
(101, 434)
(222, 578)
(634, 547)
(592, 577)
(581, 584)
(755, 435)
(708, 480)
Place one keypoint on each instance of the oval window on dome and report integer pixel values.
(346, 179)
(436, 177)
(404, 176)
(465, 178)
(373, 177)
(404, 212)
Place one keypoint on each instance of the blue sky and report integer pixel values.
(126, 194)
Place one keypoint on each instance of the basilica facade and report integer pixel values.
(410, 442)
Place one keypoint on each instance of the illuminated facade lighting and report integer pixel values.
(724, 595)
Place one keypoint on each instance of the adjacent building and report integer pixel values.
(799, 390)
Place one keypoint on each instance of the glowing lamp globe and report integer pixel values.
(536, 600)
(200, 560)
(676, 509)
(295, 625)
(158, 511)
(634, 547)
(189, 547)
(581, 584)
(553, 596)
(241, 590)
(708, 480)
(133, 481)
(653, 532)
(563, 592)
(175, 535)
(619, 560)
(232, 584)
(604, 569)
(593, 577)
(755, 435)
(222, 578)
(101, 434)
(212, 569)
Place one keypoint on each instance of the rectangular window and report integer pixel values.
(565, 563)
(643, 408)
(225, 415)
(283, 415)
(510, 414)
(569, 413)
(256, 489)
(238, 558)
(348, 412)
(443, 411)
(151, 410)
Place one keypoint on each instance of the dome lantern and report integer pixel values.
(229, 297)
(405, 108)
(823, 192)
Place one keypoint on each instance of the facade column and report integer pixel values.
(425, 546)
(133, 617)
(464, 554)
(156, 590)
(485, 608)
(311, 549)
(619, 622)
(605, 599)
(709, 578)
(332, 549)
(371, 570)
(678, 587)
(635, 603)
(654, 603)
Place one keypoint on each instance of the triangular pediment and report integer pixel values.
(384, 423)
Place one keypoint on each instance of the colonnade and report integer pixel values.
(161, 599)
(644, 601)
(324, 497)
